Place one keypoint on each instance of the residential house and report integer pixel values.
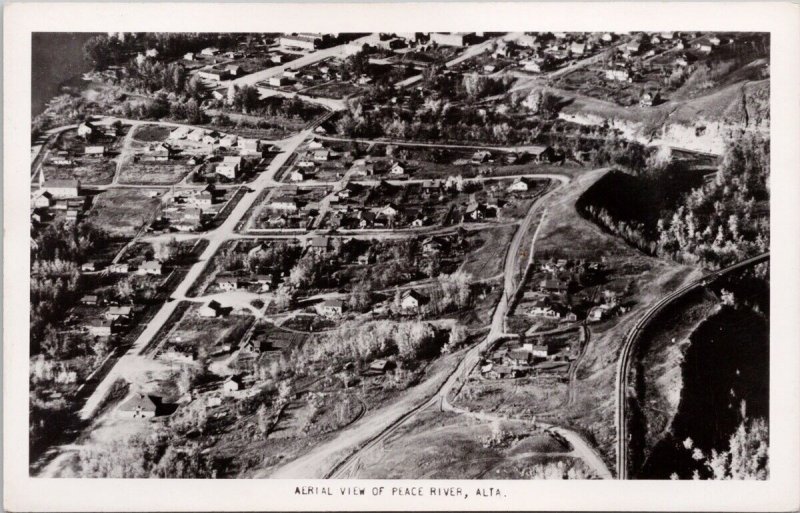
(278, 81)
(649, 98)
(330, 308)
(59, 189)
(481, 156)
(322, 155)
(381, 365)
(319, 244)
(227, 281)
(94, 151)
(288, 203)
(537, 350)
(541, 153)
(232, 384)
(458, 39)
(179, 133)
(229, 167)
(229, 141)
(302, 42)
(397, 169)
(42, 199)
(412, 300)
(543, 308)
(196, 135)
(210, 309)
(89, 300)
(118, 268)
(150, 267)
(138, 406)
(249, 146)
(100, 327)
(619, 74)
(552, 285)
(117, 312)
(87, 130)
(518, 358)
(520, 185)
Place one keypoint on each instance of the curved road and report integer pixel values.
(623, 364)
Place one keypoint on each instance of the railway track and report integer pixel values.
(623, 364)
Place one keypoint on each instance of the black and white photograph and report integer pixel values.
(496, 256)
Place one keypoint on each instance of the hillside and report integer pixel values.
(702, 123)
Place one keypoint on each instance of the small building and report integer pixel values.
(229, 141)
(319, 244)
(249, 146)
(330, 308)
(138, 406)
(213, 74)
(89, 266)
(230, 167)
(519, 358)
(87, 130)
(100, 327)
(42, 199)
(118, 268)
(412, 300)
(322, 155)
(302, 42)
(288, 203)
(649, 98)
(210, 51)
(232, 384)
(150, 267)
(116, 312)
(520, 185)
(537, 350)
(397, 169)
(179, 133)
(210, 309)
(458, 39)
(227, 281)
(94, 150)
(60, 189)
(381, 365)
(278, 81)
(618, 74)
(540, 153)
(89, 299)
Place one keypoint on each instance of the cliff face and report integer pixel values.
(702, 124)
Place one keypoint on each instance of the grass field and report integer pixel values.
(151, 133)
(153, 173)
(488, 260)
(87, 171)
(197, 332)
(123, 212)
(335, 90)
(452, 446)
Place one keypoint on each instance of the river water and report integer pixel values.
(56, 60)
(727, 363)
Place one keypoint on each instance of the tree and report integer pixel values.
(194, 114)
(747, 456)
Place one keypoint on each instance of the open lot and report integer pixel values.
(123, 212)
(151, 133)
(155, 173)
(448, 446)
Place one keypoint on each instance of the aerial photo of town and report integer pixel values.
(482, 255)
